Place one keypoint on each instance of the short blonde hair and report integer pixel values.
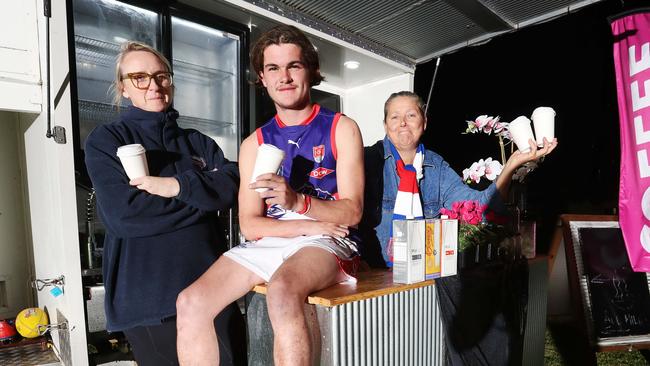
(126, 47)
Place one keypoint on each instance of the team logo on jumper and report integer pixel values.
(275, 211)
(320, 172)
(297, 143)
(319, 153)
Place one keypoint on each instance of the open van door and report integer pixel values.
(49, 161)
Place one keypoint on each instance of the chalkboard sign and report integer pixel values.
(613, 300)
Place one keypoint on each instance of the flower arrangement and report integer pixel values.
(489, 168)
(473, 231)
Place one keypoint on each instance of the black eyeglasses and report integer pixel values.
(142, 80)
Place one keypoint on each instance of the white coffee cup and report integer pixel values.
(134, 160)
(520, 131)
(544, 123)
(268, 160)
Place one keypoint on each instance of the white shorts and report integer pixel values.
(264, 256)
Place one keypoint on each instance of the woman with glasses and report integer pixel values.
(161, 229)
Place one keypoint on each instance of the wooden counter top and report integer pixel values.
(373, 283)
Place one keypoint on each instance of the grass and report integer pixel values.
(561, 348)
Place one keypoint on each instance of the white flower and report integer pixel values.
(492, 168)
(477, 170)
(487, 168)
(466, 175)
(486, 124)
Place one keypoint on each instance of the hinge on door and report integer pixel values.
(59, 134)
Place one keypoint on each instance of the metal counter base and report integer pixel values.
(397, 325)
(377, 322)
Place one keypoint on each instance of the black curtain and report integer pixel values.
(565, 64)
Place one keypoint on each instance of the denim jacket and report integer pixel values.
(440, 187)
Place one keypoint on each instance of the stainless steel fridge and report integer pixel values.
(209, 58)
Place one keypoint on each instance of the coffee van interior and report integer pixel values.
(39, 185)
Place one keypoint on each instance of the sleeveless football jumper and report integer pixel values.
(309, 167)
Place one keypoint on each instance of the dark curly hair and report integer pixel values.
(282, 34)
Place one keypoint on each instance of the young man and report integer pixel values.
(297, 229)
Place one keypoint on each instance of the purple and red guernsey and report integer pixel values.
(309, 165)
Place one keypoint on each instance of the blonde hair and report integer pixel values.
(126, 47)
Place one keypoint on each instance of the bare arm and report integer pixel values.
(348, 208)
(331, 217)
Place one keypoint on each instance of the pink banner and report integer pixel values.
(632, 62)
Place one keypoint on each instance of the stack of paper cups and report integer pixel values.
(269, 158)
(521, 132)
(544, 123)
(134, 160)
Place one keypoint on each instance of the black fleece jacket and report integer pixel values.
(155, 246)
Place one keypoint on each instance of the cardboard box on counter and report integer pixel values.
(433, 249)
(449, 259)
(408, 251)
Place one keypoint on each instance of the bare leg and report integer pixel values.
(197, 306)
(309, 270)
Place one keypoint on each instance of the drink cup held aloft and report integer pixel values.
(134, 160)
(544, 123)
(521, 132)
(269, 158)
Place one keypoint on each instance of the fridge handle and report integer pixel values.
(47, 8)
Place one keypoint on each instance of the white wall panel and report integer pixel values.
(52, 199)
(19, 52)
(365, 104)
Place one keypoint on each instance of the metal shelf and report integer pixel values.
(207, 126)
(199, 74)
(97, 52)
(97, 112)
(101, 113)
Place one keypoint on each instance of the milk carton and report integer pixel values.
(433, 248)
(408, 251)
(449, 244)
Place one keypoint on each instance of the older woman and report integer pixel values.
(161, 230)
(400, 159)
(405, 179)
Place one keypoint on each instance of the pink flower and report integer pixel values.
(470, 212)
(456, 206)
(500, 126)
(481, 121)
(452, 214)
(490, 125)
(468, 206)
(467, 217)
